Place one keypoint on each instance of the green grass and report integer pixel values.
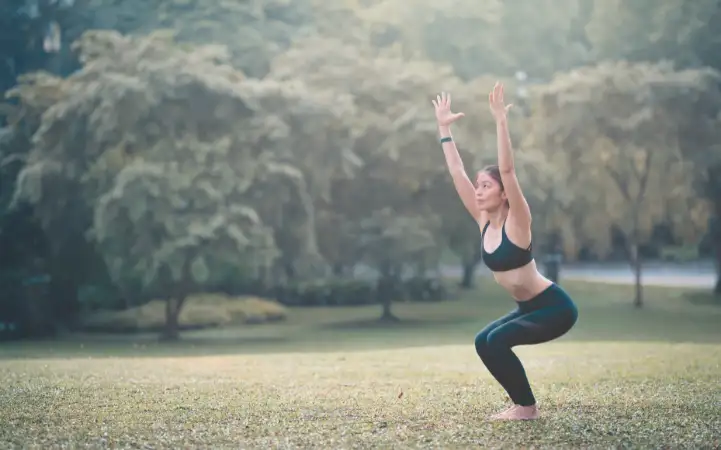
(331, 378)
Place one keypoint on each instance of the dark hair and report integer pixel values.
(494, 172)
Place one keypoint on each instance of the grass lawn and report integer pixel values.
(333, 378)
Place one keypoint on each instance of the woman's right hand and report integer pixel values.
(444, 116)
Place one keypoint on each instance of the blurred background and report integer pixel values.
(174, 166)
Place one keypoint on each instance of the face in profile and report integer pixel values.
(489, 191)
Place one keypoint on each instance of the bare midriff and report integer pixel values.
(523, 283)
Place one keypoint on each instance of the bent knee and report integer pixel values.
(481, 342)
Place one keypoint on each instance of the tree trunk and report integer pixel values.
(554, 258)
(717, 261)
(64, 287)
(388, 315)
(552, 269)
(173, 306)
(715, 238)
(386, 285)
(469, 268)
(636, 265)
(289, 269)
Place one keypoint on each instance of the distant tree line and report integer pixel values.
(253, 147)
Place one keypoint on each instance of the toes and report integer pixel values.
(516, 414)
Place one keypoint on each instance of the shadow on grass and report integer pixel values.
(400, 324)
(126, 345)
(605, 314)
(703, 299)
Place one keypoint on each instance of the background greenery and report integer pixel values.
(259, 182)
(287, 150)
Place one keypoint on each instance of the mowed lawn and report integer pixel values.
(335, 378)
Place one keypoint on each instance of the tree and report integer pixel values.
(253, 31)
(312, 148)
(393, 243)
(393, 148)
(475, 38)
(648, 30)
(31, 34)
(35, 94)
(458, 230)
(687, 34)
(612, 131)
(168, 229)
(119, 145)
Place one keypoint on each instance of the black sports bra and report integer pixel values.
(507, 256)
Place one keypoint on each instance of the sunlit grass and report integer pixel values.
(332, 378)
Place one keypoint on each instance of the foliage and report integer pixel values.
(167, 162)
(475, 38)
(253, 31)
(201, 311)
(394, 146)
(647, 30)
(168, 228)
(392, 243)
(341, 292)
(171, 191)
(612, 133)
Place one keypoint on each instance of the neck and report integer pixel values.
(497, 216)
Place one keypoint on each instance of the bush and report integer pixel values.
(345, 292)
(680, 253)
(337, 292)
(200, 311)
(425, 289)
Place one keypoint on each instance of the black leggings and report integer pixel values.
(545, 317)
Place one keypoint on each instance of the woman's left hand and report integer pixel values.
(496, 102)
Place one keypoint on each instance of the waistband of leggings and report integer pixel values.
(553, 295)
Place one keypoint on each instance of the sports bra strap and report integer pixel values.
(485, 227)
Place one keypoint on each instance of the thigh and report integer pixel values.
(483, 334)
(535, 327)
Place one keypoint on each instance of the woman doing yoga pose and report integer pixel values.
(543, 311)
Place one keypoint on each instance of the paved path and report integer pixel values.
(696, 275)
(653, 276)
(693, 275)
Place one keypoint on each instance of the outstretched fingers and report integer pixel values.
(495, 97)
(443, 100)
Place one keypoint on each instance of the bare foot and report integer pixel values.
(518, 412)
(504, 412)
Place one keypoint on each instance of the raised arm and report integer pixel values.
(462, 183)
(519, 212)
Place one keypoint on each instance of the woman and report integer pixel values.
(543, 310)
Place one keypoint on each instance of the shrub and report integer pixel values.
(199, 311)
(335, 292)
(346, 292)
(421, 289)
